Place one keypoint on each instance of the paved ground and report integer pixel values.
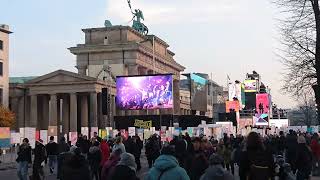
(8, 169)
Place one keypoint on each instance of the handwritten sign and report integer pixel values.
(143, 124)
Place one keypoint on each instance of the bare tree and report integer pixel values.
(307, 107)
(300, 31)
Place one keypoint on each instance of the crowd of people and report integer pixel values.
(291, 156)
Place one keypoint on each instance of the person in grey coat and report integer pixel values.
(216, 170)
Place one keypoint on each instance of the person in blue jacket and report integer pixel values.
(166, 167)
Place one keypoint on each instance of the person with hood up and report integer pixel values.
(167, 166)
(110, 165)
(216, 170)
(94, 158)
(64, 158)
(303, 159)
(24, 158)
(75, 168)
(126, 168)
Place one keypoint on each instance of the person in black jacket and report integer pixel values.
(52, 151)
(126, 168)
(303, 159)
(94, 158)
(76, 168)
(137, 145)
(256, 162)
(63, 146)
(24, 158)
(152, 150)
(39, 158)
(291, 147)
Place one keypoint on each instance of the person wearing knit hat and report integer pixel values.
(303, 159)
(126, 168)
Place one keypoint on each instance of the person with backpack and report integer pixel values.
(24, 158)
(303, 159)
(167, 166)
(39, 158)
(125, 169)
(256, 162)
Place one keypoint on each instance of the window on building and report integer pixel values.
(1, 45)
(1, 68)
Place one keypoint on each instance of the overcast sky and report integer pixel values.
(222, 37)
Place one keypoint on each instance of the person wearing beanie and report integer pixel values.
(167, 166)
(303, 159)
(126, 168)
(216, 170)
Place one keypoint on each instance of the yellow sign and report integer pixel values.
(142, 124)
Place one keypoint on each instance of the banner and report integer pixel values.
(232, 105)
(30, 133)
(85, 131)
(262, 103)
(142, 124)
(73, 137)
(132, 131)
(250, 85)
(4, 132)
(52, 131)
(226, 127)
(140, 133)
(261, 120)
(93, 130)
(44, 136)
(15, 138)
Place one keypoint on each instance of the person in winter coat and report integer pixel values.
(118, 145)
(63, 146)
(24, 158)
(76, 168)
(84, 144)
(303, 159)
(256, 162)
(152, 150)
(126, 168)
(105, 153)
(94, 158)
(110, 164)
(315, 147)
(167, 167)
(52, 151)
(291, 146)
(39, 158)
(197, 162)
(137, 145)
(63, 159)
(216, 170)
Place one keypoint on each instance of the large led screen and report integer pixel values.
(199, 91)
(144, 92)
(262, 103)
(250, 85)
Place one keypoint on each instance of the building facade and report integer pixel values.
(63, 101)
(4, 64)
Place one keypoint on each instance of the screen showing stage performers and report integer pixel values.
(144, 92)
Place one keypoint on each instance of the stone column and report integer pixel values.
(65, 115)
(21, 113)
(53, 116)
(14, 107)
(45, 114)
(33, 111)
(93, 109)
(132, 69)
(82, 70)
(73, 112)
(84, 111)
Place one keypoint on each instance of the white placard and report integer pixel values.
(44, 136)
(15, 138)
(30, 133)
(93, 130)
(85, 131)
(132, 131)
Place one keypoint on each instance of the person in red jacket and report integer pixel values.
(315, 147)
(105, 153)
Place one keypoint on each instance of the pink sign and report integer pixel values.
(73, 136)
(4, 132)
(262, 103)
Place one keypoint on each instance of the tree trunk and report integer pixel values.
(315, 5)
